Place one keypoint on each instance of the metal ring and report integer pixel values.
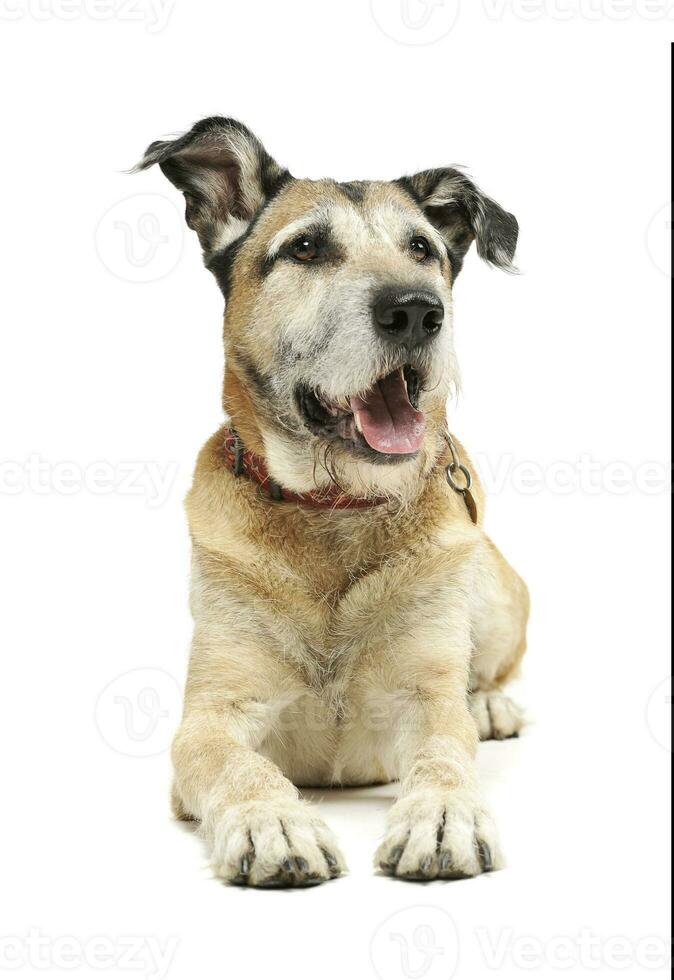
(459, 468)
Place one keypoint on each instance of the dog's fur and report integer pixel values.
(336, 647)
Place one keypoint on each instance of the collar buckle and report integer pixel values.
(239, 467)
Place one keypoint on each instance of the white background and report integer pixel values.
(111, 354)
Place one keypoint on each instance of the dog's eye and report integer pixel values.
(305, 249)
(420, 249)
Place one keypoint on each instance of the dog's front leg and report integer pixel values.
(257, 829)
(440, 827)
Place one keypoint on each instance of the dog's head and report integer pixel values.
(338, 328)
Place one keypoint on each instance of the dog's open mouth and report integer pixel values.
(385, 420)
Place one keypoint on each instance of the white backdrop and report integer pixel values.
(109, 381)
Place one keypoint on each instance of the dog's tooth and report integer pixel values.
(357, 421)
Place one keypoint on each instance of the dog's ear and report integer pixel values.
(463, 214)
(225, 174)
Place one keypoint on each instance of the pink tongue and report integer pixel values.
(389, 422)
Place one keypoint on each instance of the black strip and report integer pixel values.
(355, 190)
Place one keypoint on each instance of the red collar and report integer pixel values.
(243, 462)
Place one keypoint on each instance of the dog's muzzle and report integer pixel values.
(408, 318)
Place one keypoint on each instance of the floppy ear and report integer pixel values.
(463, 214)
(225, 174)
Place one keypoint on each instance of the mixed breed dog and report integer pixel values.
(354, 625)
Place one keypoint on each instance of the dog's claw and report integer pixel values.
(332, 863)
(393, 859)
(426, 866)
(486, 858)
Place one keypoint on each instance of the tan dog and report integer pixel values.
(353, 623)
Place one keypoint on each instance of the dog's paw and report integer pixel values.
(270, 844)
(496, 715)
(439, 834)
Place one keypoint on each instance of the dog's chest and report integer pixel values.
(332, 621)
(334, 612)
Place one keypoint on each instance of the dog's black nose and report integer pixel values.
(410, 317)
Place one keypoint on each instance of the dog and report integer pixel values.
(354, 625)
